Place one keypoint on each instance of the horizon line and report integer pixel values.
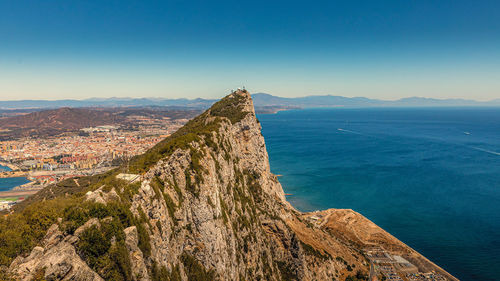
(256, 93)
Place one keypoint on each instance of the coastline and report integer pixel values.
(11, 166)
(20, 190)
(397, 176)
(273, 109)
(368, 236)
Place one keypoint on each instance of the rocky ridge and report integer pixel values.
(206, 207)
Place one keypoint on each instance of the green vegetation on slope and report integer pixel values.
(24, 229)
(195, 270)
(193, 131)
(230, 107)
(162, 274)
(62, 188)
(20, 232)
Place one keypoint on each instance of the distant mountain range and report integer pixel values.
(106, 102)
(261, 100)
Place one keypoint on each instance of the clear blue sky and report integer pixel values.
(378, 49)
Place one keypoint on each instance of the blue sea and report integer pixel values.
(429, 176)
(9, 183)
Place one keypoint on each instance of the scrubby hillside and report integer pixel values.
(204, 207)
(53, 122)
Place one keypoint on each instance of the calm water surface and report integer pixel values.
(431, 177)
(9, 183)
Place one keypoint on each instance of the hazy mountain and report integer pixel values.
(106, 102)
(52, 122)
(263, 99)
(262, 102)
(43, 123)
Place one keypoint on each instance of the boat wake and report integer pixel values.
(349, 131)
(485, 150)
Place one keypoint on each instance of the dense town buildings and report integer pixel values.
(94, 147)
(91, 151)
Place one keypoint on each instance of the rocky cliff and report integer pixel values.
(204, 206)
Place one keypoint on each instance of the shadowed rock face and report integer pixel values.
(210, 209)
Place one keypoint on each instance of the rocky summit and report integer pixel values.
(200, 205)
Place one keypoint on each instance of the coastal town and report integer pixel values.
(93, 150)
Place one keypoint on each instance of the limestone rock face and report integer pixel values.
(57, 259)
(209, 209)
(139, 269)
(100, 196)
(231, 214)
